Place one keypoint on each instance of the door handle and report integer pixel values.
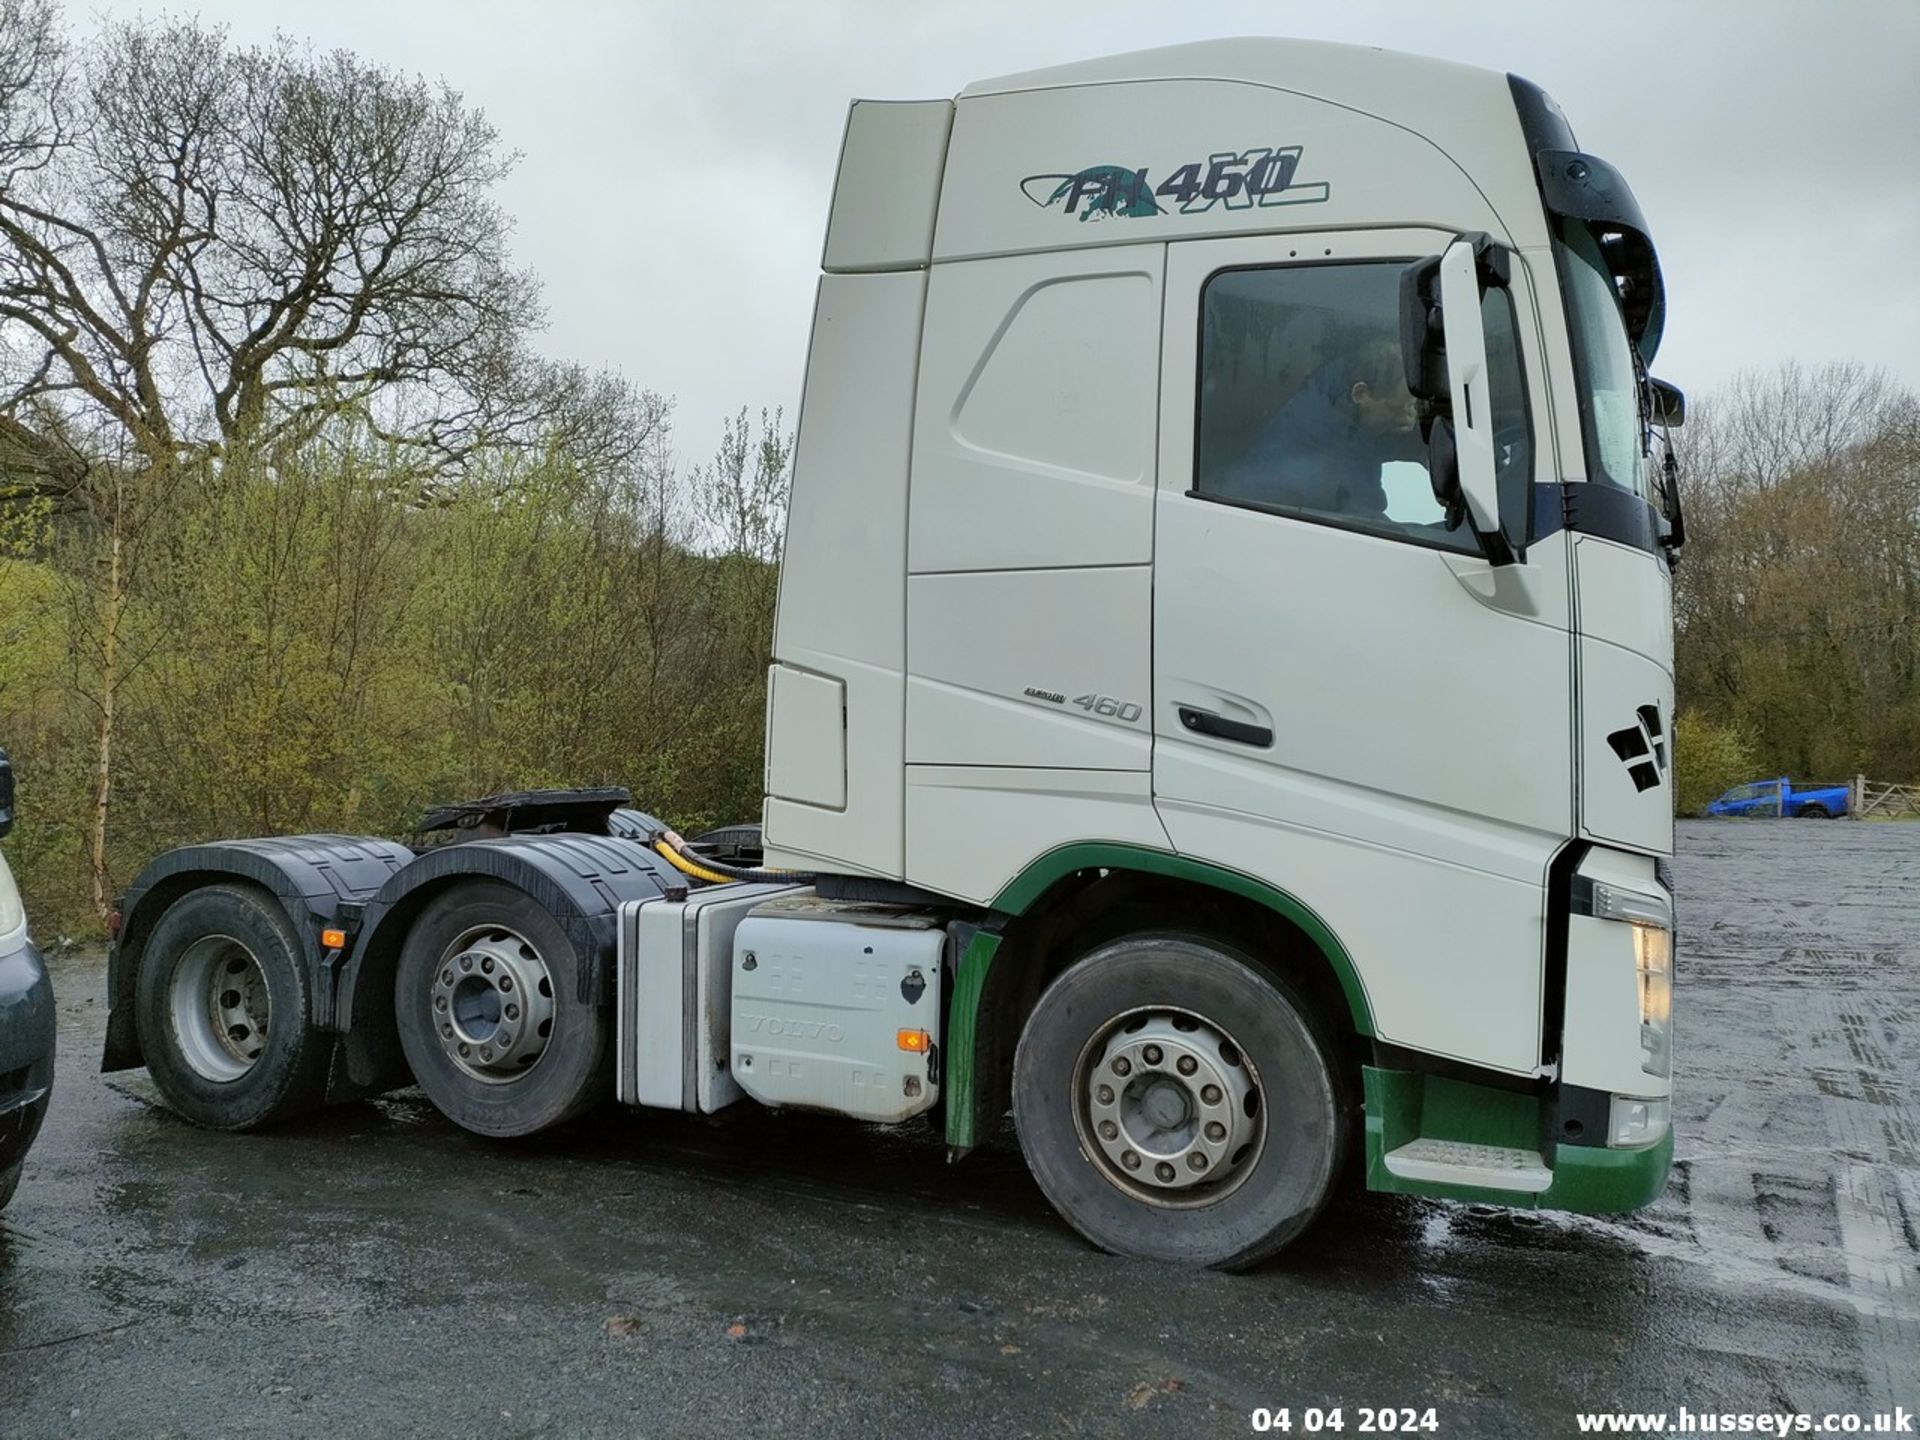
(1205, 722)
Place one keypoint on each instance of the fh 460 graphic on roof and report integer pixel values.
(1237, 179)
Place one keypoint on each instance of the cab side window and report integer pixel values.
(1304, 409)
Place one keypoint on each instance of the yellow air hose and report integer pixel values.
(688, 867)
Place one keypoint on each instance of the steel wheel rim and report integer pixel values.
(221, 1008)
(1168, 1107)
(491, 998)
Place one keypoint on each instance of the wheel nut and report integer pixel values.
(439, 1002)
(1163, 1172)
(1104, 1094)
(1123, 1066)
(487, 965)
(1216, 1131)
(1109, 1130)
(1186, 1065)
(1130, 1160)
(446, 1032)
(1210, 1094)
(513, 1011)
(1151, 1055)
(1196, 1161)
(446, 977)
(466, 962)
(506, 981)
(464, 1052)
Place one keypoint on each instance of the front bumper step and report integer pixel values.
(1456, 1140)
(1463, 1162)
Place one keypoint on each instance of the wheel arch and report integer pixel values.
(308, 876)
(580, 880)
(1079, 896)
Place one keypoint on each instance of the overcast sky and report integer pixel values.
(678, 155)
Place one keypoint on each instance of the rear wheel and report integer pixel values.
(1816, 812)
(224, 1012)
(486, 1001)
(1176, 1103)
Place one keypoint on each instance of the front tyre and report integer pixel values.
(486, 1002)
(1176, 1103)
(224, 1012)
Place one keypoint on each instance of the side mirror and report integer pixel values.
(1666, 412)
(1472, 407)
(1444, 347)
(1669, 405)
(6, 794)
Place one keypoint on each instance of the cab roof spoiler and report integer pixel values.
(1587, 190)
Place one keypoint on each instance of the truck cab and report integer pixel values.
(1148, 522)
(1220, 701)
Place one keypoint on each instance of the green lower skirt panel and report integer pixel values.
(1404, 1106)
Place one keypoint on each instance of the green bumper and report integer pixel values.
(1589, 1179)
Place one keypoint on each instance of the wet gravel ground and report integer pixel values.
(377, 1272)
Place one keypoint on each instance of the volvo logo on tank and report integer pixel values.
(795, 1029)
(1234, 179)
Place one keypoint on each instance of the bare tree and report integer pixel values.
(34, 84)
(212, 254)
(216, 251)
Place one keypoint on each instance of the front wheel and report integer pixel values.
(486, 999)
(1177, 1103)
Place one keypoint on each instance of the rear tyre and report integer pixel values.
(224, 1012)
(1816, 812)
(486, 1002)
(1176, 1103)
(9, 1182)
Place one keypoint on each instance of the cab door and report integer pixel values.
(1350, 702)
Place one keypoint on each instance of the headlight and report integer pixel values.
(1634, 1121)
(1653, 958)
(12, 915)
(1650, 917)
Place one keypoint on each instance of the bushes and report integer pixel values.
(308, 650)
(1709, 757)
(1798, 598)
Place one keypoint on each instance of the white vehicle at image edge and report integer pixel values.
(1220, 710)
(26, 1019)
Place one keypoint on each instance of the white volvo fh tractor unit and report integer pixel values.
(1220, 710)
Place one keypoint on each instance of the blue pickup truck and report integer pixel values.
(1782, 798)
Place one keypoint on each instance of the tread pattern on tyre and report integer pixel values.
(1285, 1038)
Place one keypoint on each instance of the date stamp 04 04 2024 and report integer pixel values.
(1333, 1420)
